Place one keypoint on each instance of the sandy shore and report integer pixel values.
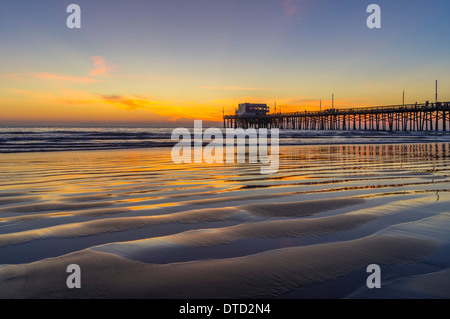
(140, 226)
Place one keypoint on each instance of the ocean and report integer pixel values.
(44, 139)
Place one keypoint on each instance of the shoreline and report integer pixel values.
(362, 143)
(36, 140)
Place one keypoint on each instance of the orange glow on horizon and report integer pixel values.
(102, 94)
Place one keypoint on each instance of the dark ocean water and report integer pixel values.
(43, 139)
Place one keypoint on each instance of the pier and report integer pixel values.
(409, 117)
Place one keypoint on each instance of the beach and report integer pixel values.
(141, 226)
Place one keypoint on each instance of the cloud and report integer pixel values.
(35, 95)
(59, 95)
(229, 88)
(149, 77)
(293, 105)
(290, 7)
(62, 78)
(100, 66)
(170, 110)
(130, 102)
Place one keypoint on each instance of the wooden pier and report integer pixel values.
(408, 117)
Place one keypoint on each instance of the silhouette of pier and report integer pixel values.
(409, 117)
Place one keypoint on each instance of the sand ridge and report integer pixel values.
(263, 275)
(192, 216)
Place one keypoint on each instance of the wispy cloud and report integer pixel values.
(60, 95)
(149, 77)
(229, 88)
(293, 105)
(61, 78)
(130, 102)
(101, 66)
(139, 108)
(291, 7)
(169, 110)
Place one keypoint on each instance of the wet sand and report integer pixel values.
(141, 226)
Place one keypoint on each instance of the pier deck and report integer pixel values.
(408, 117)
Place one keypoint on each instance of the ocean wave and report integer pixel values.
(15, 140)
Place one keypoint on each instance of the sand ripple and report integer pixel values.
(141, 226)
(264, 275)
(193, 216)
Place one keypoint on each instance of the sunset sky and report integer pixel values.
(160, 62)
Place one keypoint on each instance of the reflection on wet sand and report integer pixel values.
(328, 212)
